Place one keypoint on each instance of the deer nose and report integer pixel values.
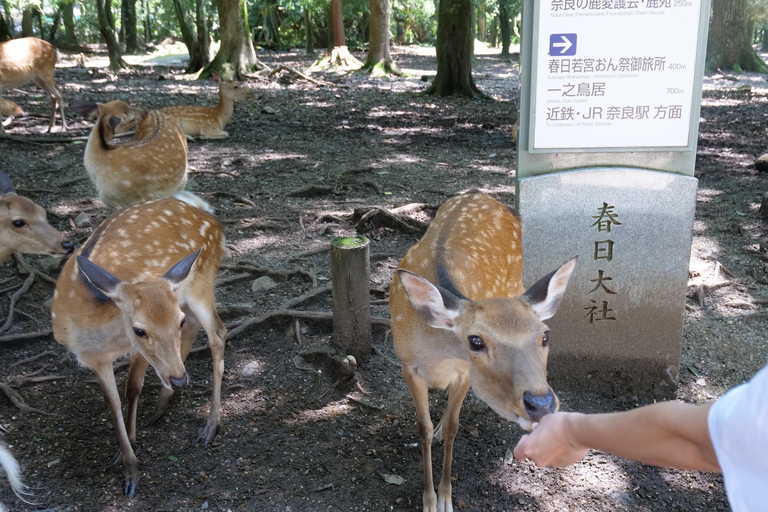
(68, 246)
(538, 406)
(178, 382)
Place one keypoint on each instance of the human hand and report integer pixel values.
(551, 442)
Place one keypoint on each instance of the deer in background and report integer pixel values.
(209, 122)
(143, 285)
(24, 227)
(151, 166)
(461, 318)
(29, 58)
(10, 110)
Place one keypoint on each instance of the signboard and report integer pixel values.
(614, 74)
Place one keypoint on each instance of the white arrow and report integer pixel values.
(565, 45)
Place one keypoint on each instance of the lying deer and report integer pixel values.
(466, 320)
(29, 58)
(151, 166)
(143, 285)
(23, 226)
(10, 110)
(209, 122)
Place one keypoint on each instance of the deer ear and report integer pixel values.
(435, 305)
(102, 284)
(87, 109)
(179, 272)
(216, 77)
(6, 186)
(114, 122)
(546, 295)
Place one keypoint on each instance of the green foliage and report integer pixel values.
(414, 21)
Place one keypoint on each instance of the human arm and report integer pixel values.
(668, 434)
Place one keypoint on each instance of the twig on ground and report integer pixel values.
(26, 335)
(311, 252)
(14, 298)
(18, 401)
(34, 358)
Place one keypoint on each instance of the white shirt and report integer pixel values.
(738, 425)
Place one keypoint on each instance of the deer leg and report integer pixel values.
(44, 86)
(2, 127)
(49, 85)
(213, 133)
(133, 387)
(188, 334)
(456, 393)
(106, 376)
(420, 393)
(217, 334)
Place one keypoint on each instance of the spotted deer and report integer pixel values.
(24, 227)
(151, 166)
(143, 285)
(209, 122)
(461, 318)
(30, 58)
(10, 110)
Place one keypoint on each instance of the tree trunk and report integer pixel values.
(454, 51)
(236, 55)
(310, 43)
(337, 19)
(203, 37)
(189, 35)
(271, 25)
(108, 33)
(764, 47)
(481, 28)
(55, 23)
(494, 39)
(379, 61)
(68, 16)
(147, 26)
(27, 22)
(504, 26)
(350, 278)
(5, 33)
(730, 42)
(128, 25)
(8, 21)
(340, 55)
(110, 15)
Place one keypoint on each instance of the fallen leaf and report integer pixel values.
(393, 479)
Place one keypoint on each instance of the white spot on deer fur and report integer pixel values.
(72, 294)
(400, 317)
(53, 315)
(127, 183)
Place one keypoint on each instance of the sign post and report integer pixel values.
(609, 112)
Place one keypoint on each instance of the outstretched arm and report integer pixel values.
(668, 434)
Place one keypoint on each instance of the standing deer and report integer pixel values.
(209, 122)
(466, 320)
(29, 58)
(151, 166)
(23, 226)
(143, 285)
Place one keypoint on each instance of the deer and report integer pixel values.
(143, 285)
(10, 110)
(24, 227)
(461, 318)
(26, 59)
(209, 122)
(151, 166)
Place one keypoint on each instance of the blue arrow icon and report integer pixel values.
(562, 45)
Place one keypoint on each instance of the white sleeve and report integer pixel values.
(738, 426)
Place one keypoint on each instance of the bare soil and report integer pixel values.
(292, 440)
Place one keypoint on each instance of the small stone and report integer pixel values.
(83, 221)
(701, 382)
(268, 110)
(263, 284)
(204, 506)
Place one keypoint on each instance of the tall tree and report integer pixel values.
(189, 35)
(340, 55)
(236, 55)
(730, 38)
(68, 17)
(454, 51)
(379, 61)
(310, 43)
(108, 33)
(7, 19)
(203, 36)
(482, 31)
(128, 25)
(504, 26)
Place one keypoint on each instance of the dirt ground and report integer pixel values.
(290, 440)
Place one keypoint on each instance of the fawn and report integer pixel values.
(151, 166)
(23, 226)
(143, 285)
(29, 58)
(209, 122)
(466, 320)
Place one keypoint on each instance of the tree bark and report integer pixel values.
(147, 26)
(340, 55)
(730, 42)
(108, 33)
(189, 35)
(203, 36)
(27, 22)
(481, 26)
(310, 43)
(504, 26)
(68, 17)
(271, 25)
(236, 55)
(379, 61)
(8, 22)
(454, 51)
(5, 33)
(55, 23)
(128, 24)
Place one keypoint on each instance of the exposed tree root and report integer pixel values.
(339, 58)
(18, 401)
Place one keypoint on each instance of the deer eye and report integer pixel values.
(545, 339)
(476, 343)
(141, 333)
(183, 321)
(18, 223)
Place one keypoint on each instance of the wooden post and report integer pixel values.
(350, 273)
